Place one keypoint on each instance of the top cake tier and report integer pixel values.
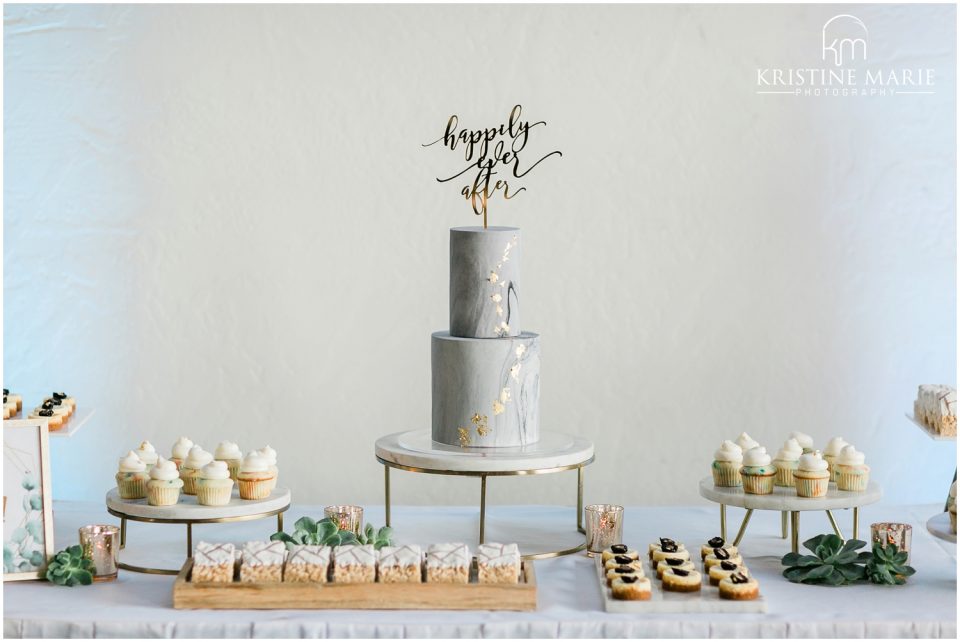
(484, 282)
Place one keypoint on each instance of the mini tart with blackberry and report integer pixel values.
(664, 553)
(739, 587)
(681, 581)
(631, 587)
(673, 562)
(720, 555)
(671, 546)
(622, 560)
(620, 549)
(725, 569)
(621, 571)
(716, 542)
(54, 421)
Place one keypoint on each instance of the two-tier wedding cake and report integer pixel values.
(486, 370)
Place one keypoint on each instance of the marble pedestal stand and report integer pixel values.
(188, 512)
(416, 452)
(786, 501)
(939, 524)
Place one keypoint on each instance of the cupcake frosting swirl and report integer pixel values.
(164, 470)
(228, 450)
(197, 458)
(746, 442)
(834, 446)
(269, 454)
(147, 453)
(131, 463)
(215, 470)
(756, 456)
(850, 456)
(791, 450)
(728, 451)
(181, 448)
(254, 463)
(805, 440)
(812, 461)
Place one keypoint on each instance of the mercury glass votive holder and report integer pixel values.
(101, 545)
(347, 518)
(887, 533)
(604, 526)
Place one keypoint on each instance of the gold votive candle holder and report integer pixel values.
(887, 533)
(604, 526)
(101, 545)
(347, 518)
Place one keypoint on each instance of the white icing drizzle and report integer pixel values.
(448, 556)
(355, 555)
(493, 554)
(398, 556)
(264, 553)
(309, 554)
(208, 554)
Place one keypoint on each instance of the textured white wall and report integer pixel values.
(219, 222)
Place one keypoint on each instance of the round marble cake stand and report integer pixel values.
(416, 452)
(187, 511)
(785, 500)
(936, 523)
(939, 526)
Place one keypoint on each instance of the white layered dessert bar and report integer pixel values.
(307, 563)
(262, 562)
(213, 562)
(448, 563)
(936, 407)
(400, 564)
(498, 563)
(355, 563)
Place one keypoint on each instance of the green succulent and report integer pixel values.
(325, 532)
(69, 567)
(887, 565)
(833, 563)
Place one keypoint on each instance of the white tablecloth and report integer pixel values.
(569, 601)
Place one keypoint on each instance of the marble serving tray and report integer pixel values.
(188, 509)
(708, 600)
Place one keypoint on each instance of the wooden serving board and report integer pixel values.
(302, 595)
(707, 600)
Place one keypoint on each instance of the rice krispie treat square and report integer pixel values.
(307, 563)
(448, 563)
(213, 562)
(355, 563)
(498, 563)
(400, 564)
(262, 562)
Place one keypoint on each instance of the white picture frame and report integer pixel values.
(27, 500)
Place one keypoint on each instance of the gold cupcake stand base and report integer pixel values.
(787, 502)
(555, 452)
(188, 512)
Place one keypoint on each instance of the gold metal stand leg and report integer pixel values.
(123, 532)
(856, 521)
(189, 540)
(833, 523)
(483, 506)
(280, 522)
(723, 522)
(386, 491)
(795, 531)
(580, 500)
(783, 524)
(743, 527)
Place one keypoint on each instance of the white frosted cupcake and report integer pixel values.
(229, 452)
(811, 477)
(830, 453)
(849, 471)
(190, 469)
(132, 477)
(270, 455)
(726, 465)
(164, 486)
(147, 453)
(746, 442)
(254, 477)
(181, 448)
(757, 472)
(805, 441)
(786, 462)
(214, 485)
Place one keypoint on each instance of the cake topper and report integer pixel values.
(489, 150)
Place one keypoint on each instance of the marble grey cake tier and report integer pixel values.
(486, 392)
(484, 282)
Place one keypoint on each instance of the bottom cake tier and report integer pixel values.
(486, 392)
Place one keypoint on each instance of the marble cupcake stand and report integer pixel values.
(785, 500)
(416, 452)
(188, 512)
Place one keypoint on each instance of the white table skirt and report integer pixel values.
(569, 600)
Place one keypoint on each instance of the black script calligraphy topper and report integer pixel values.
(491, 151)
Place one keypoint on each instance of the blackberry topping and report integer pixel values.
(624, 569)
(629, 579)
(673, 561)
(739, 578)
(622, 559)
(669, 547)
(60, 396)
(47, 405)
(46, 412)
(715, 542)
(681, 572)
(6, 392)
(728, 566)
(4, 397)
(666, 540)
(54, 401)
(619, 549)
(721, 553)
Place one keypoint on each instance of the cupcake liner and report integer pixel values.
(131, 487)
(254, 488)
(784, 476)
(164, 495)
(812, 486)
(830, 467)
(233, 465)
(189, 478)
(210, 495)
(850, 481)
(757, 484)
(726, 473)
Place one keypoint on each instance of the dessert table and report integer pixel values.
(569, 601)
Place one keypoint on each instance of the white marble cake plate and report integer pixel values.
(417, 449)
(707, 600)
(187, 509)
(939, 526)
(785, 499)
(929, 432)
